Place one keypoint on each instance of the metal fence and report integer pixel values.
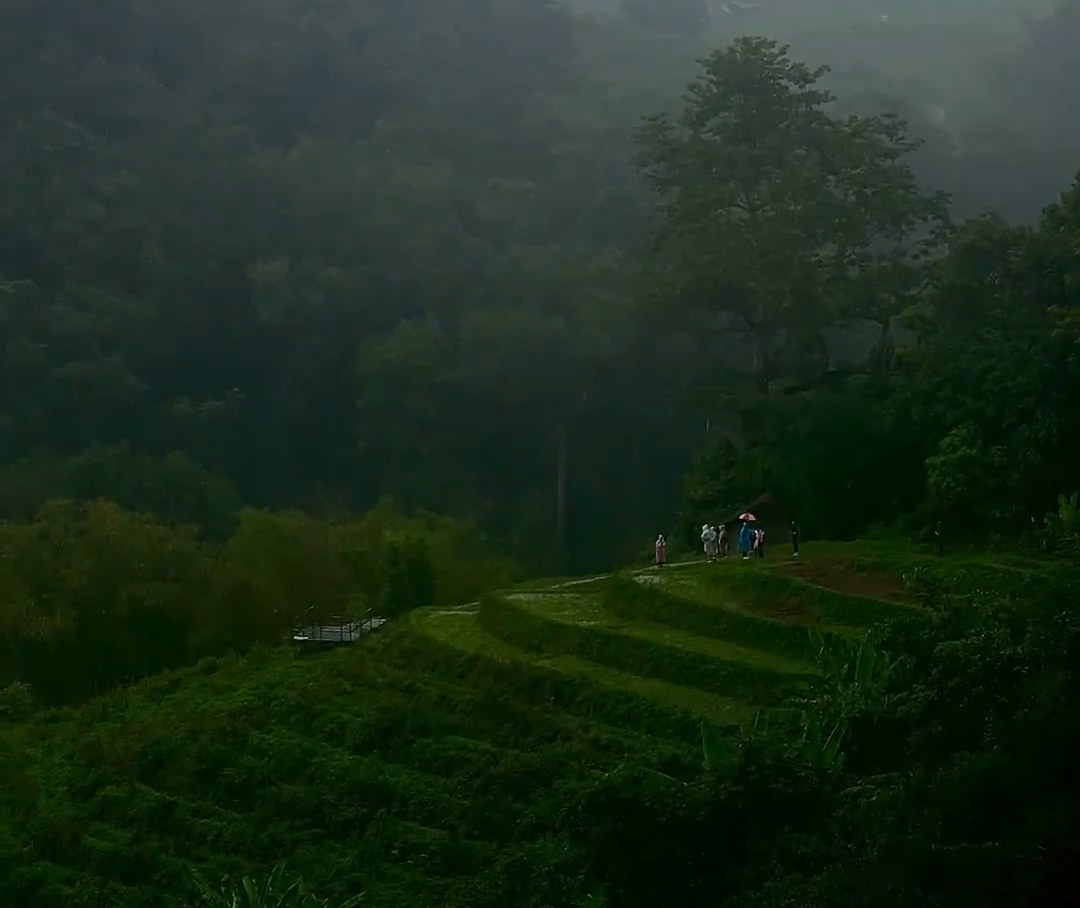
(335, 630)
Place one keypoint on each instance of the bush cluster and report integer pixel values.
(93, 596)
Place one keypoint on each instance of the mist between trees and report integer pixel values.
(261, 257)
(311, 274)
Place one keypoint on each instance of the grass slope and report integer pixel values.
(433, 764)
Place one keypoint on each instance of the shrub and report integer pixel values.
(16, 702)
(93, 596)
(280, 890)
(408, 577)
(96, 596)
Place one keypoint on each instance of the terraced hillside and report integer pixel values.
(718, 641)
(464, 757)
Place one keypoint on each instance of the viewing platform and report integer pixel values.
(335, 631)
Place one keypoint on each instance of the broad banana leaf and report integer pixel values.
(865, 662)
(717, 752)
(830, 752)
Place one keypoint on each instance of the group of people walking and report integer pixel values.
(714, 540)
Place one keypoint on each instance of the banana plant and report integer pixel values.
(852, 678)
(279, 890)
(820, 749)
(850, 671)
(866, 662)
(1068, 512)
(719, 753)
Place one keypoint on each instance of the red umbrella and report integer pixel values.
(747, 516)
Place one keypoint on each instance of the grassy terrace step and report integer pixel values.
(654, 651)
(770, 593)
(451, 690)
(593, 611)
(1009, 573)
(604, 694)
(358, 697)
(682, 602)
(360, 708)
(272, 755)
(288, 794)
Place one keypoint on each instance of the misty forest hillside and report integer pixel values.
(328, 255)
(284, 242)
(325, 310)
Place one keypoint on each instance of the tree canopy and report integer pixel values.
(779, 216)
(304, 259)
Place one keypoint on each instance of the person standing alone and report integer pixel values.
(794, 539)
(746, 539)
(661, 550)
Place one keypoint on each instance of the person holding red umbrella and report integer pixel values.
(746, 535)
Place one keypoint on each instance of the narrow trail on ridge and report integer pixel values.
(564, 584)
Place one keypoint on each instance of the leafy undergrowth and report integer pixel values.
(449, 761)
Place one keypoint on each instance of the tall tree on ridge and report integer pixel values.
(777, 216)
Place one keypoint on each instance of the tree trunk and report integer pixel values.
(762, 371)
(561, 458)
(881, 357)
(824, 360)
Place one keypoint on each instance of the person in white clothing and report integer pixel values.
(708, 541)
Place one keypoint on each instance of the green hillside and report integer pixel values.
(545, 746)
(434, 764)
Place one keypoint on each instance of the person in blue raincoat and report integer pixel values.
(746, 539)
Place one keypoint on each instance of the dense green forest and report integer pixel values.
(310, 257)
(362, 307)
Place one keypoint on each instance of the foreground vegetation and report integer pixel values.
(545, 748)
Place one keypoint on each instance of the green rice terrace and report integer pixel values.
(460, 756)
